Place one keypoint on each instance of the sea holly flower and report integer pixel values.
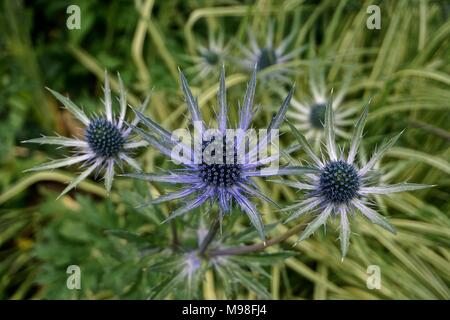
(106, 142)
(308, 113)
(269, 56)
(209, 58)
(225, 181)
(182, 273)
(186, 278)
(340, 187)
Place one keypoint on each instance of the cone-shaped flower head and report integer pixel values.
(270, 56)
(308, 112)
(106, 141)
(228, 178)
(340, 187)
(209, 58)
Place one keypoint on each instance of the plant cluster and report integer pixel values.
(282, 187)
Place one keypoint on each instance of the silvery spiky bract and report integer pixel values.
(225, 182)
(340, 187)
(106, 141)
(269, 56)
(308, 113)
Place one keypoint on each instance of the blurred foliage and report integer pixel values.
(124, 252)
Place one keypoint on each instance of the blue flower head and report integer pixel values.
(106, 142)
(340, 187)
(270, 58)
(227, 179)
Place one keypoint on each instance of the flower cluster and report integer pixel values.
(333, 185)
(272, 58)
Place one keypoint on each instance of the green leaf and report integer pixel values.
(249, 281)
(427, 158)
(127, 235)
(167, 286)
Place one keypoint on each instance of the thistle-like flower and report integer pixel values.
(230, 178)
(105, 144)
(183, 274)
(308, 114)
(209, 58)
(340, 187)
(269, 56)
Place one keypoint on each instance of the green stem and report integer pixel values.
(258, 246)
(175, 239)
(215, 226)
(173, 225)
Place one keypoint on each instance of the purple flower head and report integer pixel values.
(220, 167)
